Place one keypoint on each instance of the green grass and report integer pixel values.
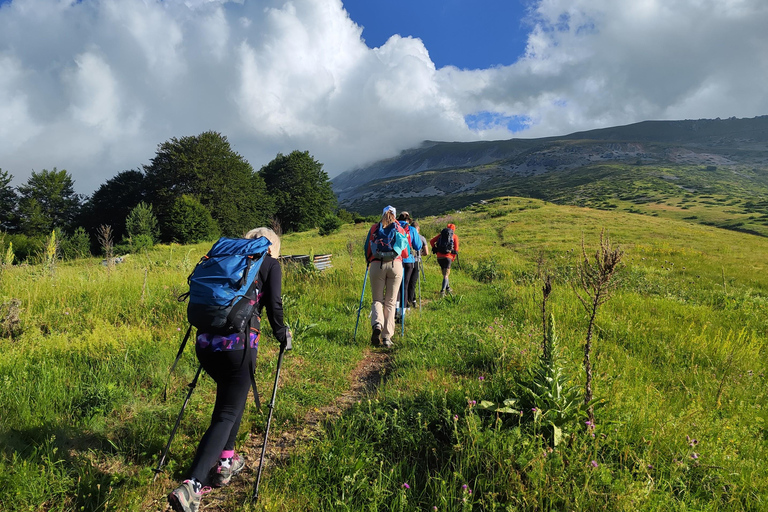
(680, 355)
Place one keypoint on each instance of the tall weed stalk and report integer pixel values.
(595, 286)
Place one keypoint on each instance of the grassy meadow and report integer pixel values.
(679, 364)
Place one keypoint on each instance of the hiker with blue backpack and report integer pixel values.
(409, 263)
(386, 245)
(446, 248)
(230, 357)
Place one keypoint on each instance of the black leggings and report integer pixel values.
(412, 282)
(407, 271)
(233, 381)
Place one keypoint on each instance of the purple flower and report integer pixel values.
(694, 455)
(455, 417)
(464, 487)
(481, 378)
(406, 486)
(594, 463)
(534, 409)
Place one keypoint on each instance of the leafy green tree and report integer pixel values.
(206, 168)
(111, 203)
(301, 189)
(142, 221)
(189, 222)
(48, 201)
(8, 202)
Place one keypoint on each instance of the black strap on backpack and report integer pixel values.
(251, 366)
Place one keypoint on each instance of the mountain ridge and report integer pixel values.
(435, 169)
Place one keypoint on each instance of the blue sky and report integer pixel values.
(94, 86)
(471, 34)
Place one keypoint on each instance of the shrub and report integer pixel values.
(25, 247)
(190, 222)
(138, 243)
(345, 216)
(142, 221)
(486, 271)
(329, 224)
(76, 245)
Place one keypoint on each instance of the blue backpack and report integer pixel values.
(381, 243)
(223, 287)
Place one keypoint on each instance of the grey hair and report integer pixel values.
(270, 235)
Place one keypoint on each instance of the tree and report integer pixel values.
(142, 221)
(190, 222)
(8, 202)
(301, 189)
(206, 168)
(48, 201)
(113, 201)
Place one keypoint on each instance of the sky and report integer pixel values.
(94, 86)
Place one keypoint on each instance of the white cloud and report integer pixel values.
(94, 86)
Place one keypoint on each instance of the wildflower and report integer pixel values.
(455, 417)
(533, 409)
(481, 378)
(650, 466)
(66, 312)
(694, 455)
(594, 463)
(178, 328)
(589, 424)
(464, 487)
(406, 486)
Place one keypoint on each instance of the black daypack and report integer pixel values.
(445, 242)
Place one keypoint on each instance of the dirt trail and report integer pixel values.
(364, 379)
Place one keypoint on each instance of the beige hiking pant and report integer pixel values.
(385, 283)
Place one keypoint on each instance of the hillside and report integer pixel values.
(668, 160)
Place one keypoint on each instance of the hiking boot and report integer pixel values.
(184, 498)
(220, 476)
(449, 290)
(386, 343)
(375, 335)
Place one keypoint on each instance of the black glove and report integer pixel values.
(285, 337)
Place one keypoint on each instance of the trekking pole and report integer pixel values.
(419, 279)
(255, 495)
(402, 305)
(191, 385)
(360, 307)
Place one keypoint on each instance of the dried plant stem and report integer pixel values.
(596, 284)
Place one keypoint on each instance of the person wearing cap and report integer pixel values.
(409, 263)
(385, 247)
(446, 247)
